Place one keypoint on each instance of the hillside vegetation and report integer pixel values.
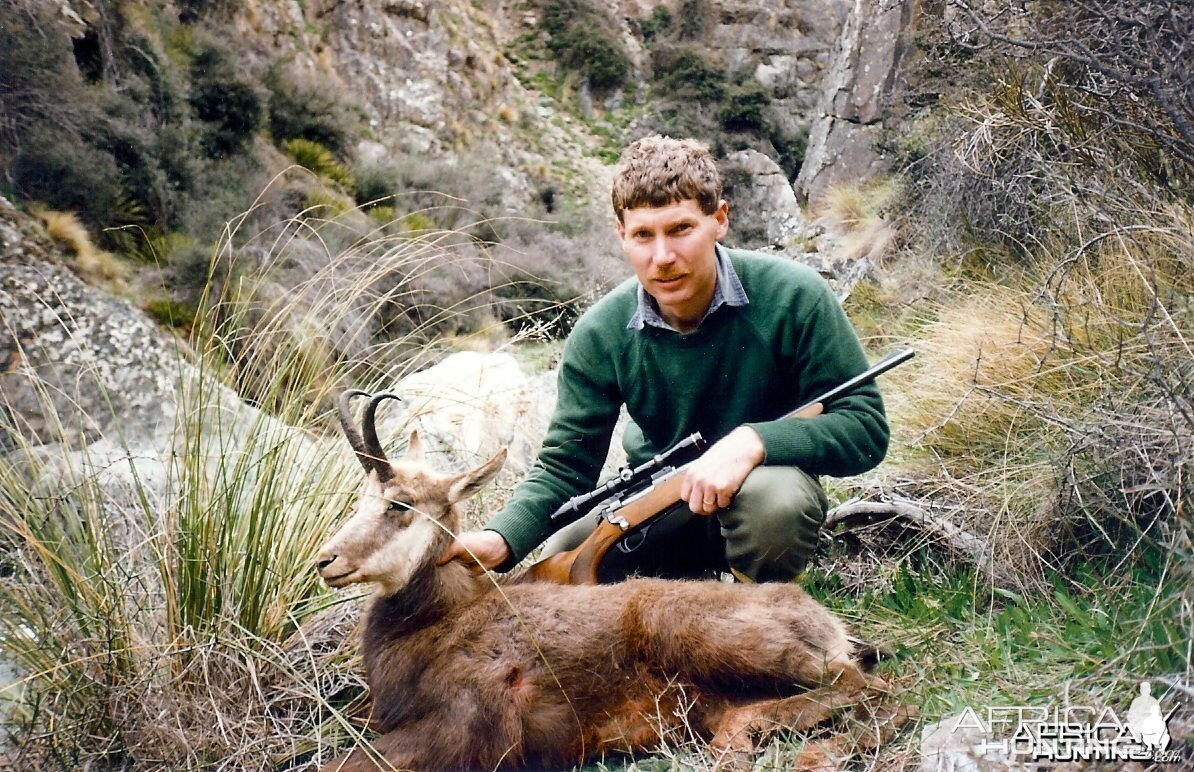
(1034, 242)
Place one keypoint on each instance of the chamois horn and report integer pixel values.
(354, 437)
(372, 444)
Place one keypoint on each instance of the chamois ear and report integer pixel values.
(465, 484)
(414, 448)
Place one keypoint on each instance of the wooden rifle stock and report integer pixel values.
(580, 565)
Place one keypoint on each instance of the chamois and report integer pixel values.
(466, 672)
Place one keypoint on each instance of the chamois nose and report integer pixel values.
(322, 562)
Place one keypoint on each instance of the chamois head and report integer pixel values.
(405, 514)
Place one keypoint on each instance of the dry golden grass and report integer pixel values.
(968, 416)
(507, 114)
(1044, 391)
(854, 214)
(978, 362)
(853, 208)
(66, 230)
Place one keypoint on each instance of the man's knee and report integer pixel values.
(569, 537)
(772, 526)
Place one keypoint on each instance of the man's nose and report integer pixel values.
(663, 253)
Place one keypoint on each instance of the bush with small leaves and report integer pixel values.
(233, 111)
(686, 72)
(579, 40)
(747, 109)
(308, 108)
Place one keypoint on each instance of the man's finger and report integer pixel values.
(450, 553)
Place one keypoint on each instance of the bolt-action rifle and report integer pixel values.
(635, 497)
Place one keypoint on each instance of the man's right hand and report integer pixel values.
(480, 550)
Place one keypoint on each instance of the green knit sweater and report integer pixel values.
(743, 365)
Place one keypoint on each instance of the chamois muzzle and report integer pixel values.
(333, 577)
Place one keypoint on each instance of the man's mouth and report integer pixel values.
(668, 280)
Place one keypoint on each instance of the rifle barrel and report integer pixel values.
(874, 371)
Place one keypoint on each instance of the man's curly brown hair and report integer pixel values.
(658, 171)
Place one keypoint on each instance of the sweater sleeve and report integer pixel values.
(572, 455)
(851, 436)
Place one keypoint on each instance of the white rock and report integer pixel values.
(946, 749)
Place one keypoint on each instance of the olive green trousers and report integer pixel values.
(766, 534)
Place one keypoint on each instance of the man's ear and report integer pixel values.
(722, 215)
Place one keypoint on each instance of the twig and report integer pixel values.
(958, 539)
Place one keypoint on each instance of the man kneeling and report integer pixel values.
(702, 339)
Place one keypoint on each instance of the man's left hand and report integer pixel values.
(712, 481)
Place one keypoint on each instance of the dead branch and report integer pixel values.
(855, 514)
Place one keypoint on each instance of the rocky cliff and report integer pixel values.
(856, 96)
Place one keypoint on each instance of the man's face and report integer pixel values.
(671, 249)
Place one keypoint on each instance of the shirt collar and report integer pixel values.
(727, 292)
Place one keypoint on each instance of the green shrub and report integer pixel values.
(694, 19)
(376, 184)
(233, 111)
(747, 109)
(580, 40)
(597, 56)
(686, 72)
(791, 146)
(172, 313)
(68, 176)
(658, 24)
(308, 108)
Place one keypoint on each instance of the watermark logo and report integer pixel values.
(1034, 734)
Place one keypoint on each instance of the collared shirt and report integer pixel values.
(727, 292)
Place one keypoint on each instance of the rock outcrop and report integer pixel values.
(785, 45)
(75, 363)
(471, 404)
(855, 96)
(432, 79)
(764, 213)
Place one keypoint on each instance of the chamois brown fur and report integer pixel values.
(466, 673)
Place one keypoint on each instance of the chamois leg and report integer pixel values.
(874, 721)
(737, 727)
(394, 750)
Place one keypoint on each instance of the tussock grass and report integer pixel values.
(852, 208)
(68, 231)
(320, 160)
(1043, 403)
(858, 216)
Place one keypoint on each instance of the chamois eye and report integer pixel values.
(397, 508)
